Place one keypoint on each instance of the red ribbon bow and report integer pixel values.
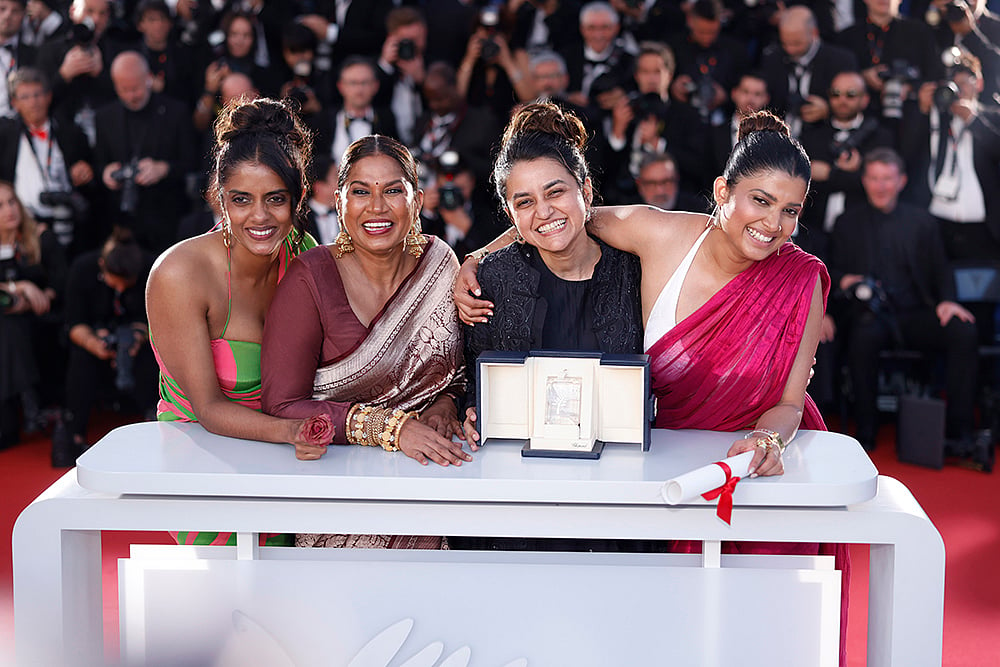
(724, 493)
(40, 134)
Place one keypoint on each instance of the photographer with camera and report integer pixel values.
(302, 81)
(401, 68)
(47, 160)
(144, 151)
(170, 60)
(452, 209)
(956, 164)
(76, 65)
(887, 260)
(969, 25)
(647, 121)
(109, 351)
(894, 55)
(800, 68)
(836, 146)
(708, 62)
(488, 75)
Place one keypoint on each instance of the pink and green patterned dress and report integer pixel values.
(237, 366)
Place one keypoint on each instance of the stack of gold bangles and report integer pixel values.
(767, 439)
(376, 427)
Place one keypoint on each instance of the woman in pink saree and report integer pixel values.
(731, 308)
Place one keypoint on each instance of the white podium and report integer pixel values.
(478, 608)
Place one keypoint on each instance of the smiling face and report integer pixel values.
(547, 205)
(258, 207)
(239, 38)
(760, 212)
(377, 204)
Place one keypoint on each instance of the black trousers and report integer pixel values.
(869, 334)
(89, 378)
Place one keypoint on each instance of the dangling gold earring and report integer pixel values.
(344, 243)
(226, 231)
(415, 241)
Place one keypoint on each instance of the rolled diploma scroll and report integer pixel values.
(692, 484)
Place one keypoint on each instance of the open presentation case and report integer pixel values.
(564, 404)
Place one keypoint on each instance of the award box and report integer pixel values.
(564, 404)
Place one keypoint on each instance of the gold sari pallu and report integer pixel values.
(413, 351)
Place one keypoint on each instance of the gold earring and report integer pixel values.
(415, 241)
(226, 231)
(515, 235)
(344, 243)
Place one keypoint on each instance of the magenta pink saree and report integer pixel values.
(727, 363)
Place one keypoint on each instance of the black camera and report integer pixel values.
(646, 105)
(451, 197)
(121, 340)
(900, 70)
(870, 294)
(899, 73)
(406, 49)
(855, 139)
(945, 95)
(125, 176)
(82, 34)
(72, 200)
(489, 18)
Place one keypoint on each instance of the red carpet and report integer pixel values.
(959, 501)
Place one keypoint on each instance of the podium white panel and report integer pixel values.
(318, 607)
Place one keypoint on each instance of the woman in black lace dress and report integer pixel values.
(557, 288)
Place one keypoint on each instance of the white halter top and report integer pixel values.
(663, 317)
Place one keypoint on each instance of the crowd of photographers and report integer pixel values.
(109, 104)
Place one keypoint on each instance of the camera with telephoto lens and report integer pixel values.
(125, 176)
(870, 294)
(451, 197)
(945, 95)
(646, 105)
(899, 73)
(489, 18)
(121, 341)
(406, 49)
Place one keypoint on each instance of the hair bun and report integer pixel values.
(547, 118)
(262, 115)
(761, 121)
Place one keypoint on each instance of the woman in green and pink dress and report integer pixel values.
(207, 296)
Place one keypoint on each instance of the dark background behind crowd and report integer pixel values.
(108, 109)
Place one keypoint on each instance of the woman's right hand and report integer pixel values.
(420, 442)
(470, 308)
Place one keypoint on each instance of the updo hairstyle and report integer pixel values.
(378, 144)
(266, 132)
(764, 143)
(121, 255)
(541, 130)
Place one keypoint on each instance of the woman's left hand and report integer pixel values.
(441, 417)
(766, 460)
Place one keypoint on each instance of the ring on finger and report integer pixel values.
(766, 446)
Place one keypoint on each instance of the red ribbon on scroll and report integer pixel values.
(724, 493)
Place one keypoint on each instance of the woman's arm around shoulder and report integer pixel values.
(641, 229)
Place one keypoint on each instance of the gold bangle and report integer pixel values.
(389, 438)
(769, 437)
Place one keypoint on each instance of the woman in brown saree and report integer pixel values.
(366, 328)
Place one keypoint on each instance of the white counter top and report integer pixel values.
(178, 459)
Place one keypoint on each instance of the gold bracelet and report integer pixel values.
(356, 434)
(769, 438)
(389, 438)
(348, 426)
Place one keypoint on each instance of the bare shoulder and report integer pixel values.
(188, 266)
(646, 230)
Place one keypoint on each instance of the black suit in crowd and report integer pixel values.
(382, 120)
(618, 66)
(472, 135)
(563, 25)
(162, 131)
(829, 61)
(961, 240)
(818, 140)
(903, 251)
(69, 97)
